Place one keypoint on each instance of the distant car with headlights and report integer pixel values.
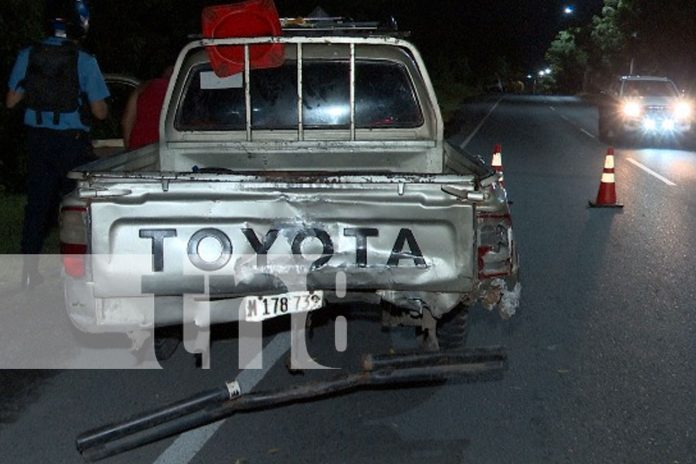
(645, 106)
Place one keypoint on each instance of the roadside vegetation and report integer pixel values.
(628, 37)
(12, 207)
(454, 82)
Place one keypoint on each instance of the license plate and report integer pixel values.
(260, 308)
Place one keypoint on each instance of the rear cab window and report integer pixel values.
(384, 97)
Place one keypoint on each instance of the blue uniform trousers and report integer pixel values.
(51, 155)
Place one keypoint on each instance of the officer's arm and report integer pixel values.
(93, 84)
(100, 109)
(15, 91)
(13, 97)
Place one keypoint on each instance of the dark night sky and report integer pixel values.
(476, 30)
(520, 29)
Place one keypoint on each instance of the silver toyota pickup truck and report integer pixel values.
(276, 190)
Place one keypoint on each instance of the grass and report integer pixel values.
(450, 97)
(12, 208)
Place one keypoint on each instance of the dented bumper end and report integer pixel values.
(502, 294)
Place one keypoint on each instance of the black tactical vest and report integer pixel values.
(52, 82)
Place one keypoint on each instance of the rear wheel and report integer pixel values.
(166, 347)
(453, 328)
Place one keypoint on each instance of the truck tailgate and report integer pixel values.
(382, 232)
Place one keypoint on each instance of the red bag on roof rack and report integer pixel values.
(251, 18)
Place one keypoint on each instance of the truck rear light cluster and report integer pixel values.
(73, 239)
(496, 245)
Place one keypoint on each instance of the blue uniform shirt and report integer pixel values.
(91, 83)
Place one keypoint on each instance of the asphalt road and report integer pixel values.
(602, 355)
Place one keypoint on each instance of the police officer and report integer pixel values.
(62, 88)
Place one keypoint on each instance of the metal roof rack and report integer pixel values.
(338, 25)
(335, 26)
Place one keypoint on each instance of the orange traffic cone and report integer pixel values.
(606, 197)
(497, 163)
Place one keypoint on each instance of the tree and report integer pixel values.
(639, 36)
(568, 60)
(656, 37)
(608, 38)
(661, 37)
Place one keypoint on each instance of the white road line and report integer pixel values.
(567, 119)
(471, 136)
(651, 172)
(564, 117)
(587, 133)
(185, 448)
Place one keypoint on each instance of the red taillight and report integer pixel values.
(73, 241)
(73, 259)
(72, 249)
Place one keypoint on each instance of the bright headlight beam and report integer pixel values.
(683, 110)
(632, 109)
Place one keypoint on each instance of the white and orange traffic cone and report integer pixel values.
(497, 164)
(606, 197)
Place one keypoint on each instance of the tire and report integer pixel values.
(166, 347)
(453, 328)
